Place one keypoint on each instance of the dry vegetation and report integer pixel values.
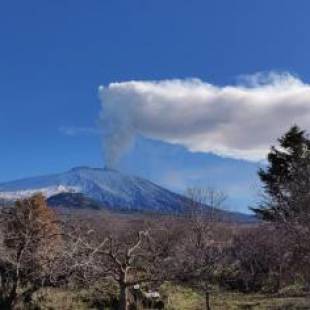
(93, 260)
(99, 260)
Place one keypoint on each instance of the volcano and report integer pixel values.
(95, 188)
(107, 187)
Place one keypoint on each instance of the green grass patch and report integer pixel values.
(182, 298)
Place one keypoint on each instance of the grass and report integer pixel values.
(258, 302)
(52, 299)
(73, 299)
(177, 298)
(187, 299)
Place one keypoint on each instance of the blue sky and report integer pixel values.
(55, 54)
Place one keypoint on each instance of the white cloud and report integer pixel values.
(239, 121)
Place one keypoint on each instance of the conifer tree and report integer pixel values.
(286, 179)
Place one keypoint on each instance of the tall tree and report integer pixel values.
(286, 179)
(201, 250)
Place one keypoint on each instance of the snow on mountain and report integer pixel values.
(110, 187)
(46, 191)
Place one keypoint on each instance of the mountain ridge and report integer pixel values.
(105, 185)
(101, 188)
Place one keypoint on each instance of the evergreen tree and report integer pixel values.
(287, 179)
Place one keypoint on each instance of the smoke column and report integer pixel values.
(117, 127)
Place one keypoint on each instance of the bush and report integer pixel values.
(295, 290)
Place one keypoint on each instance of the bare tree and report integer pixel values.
(128, 252)
(206, 202)
(30, 242)
(201, 249)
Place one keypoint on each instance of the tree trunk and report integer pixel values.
(11, 299)
(207, 300)
(123, 303)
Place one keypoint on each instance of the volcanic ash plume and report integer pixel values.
(117, 128)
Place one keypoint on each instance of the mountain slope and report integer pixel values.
(109, 187)
(73, 201)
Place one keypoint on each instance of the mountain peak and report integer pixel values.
(87, 168)
(79, 168)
